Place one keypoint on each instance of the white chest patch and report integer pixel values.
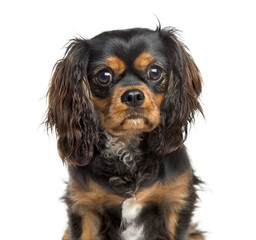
(130, 211)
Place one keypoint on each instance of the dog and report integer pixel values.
(120, 104)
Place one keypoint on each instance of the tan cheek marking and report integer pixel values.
(102, 106)
(158, 98)
(142, 61)
(110, 109)
(116, 64)
(117, 106)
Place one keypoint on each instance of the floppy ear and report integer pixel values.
(182, 97)
(70, 109)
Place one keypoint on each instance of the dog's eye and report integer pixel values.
(104, 77)
(155, 73)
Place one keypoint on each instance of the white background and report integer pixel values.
(221, 38)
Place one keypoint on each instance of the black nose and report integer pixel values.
(133, 98)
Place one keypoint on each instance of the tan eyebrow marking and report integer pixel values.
(143, 60)
(116, 64)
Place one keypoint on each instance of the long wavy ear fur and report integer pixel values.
(70, 109)
(182, 99)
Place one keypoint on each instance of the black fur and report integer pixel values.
(75, 229)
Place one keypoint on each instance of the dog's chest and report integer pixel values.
(125, 168)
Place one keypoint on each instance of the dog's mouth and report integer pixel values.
(135, 121)
(134, 116)
(132, 123)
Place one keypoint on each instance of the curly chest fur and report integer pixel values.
(123, 167)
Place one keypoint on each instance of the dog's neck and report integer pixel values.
(125, 155)
(126, 148)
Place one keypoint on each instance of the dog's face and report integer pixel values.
(128, 76)
(126, 82)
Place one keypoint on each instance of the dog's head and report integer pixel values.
(127, 82)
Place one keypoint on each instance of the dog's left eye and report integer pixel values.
(104, 77)
(155, 73)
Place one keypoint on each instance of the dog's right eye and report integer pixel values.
(104, 77)
(155, 73)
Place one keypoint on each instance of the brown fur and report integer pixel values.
(116, 64)
(91, 198)
(172, 194)
(90, 226)
(142, 61)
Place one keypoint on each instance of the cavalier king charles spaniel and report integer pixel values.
(120, 104)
